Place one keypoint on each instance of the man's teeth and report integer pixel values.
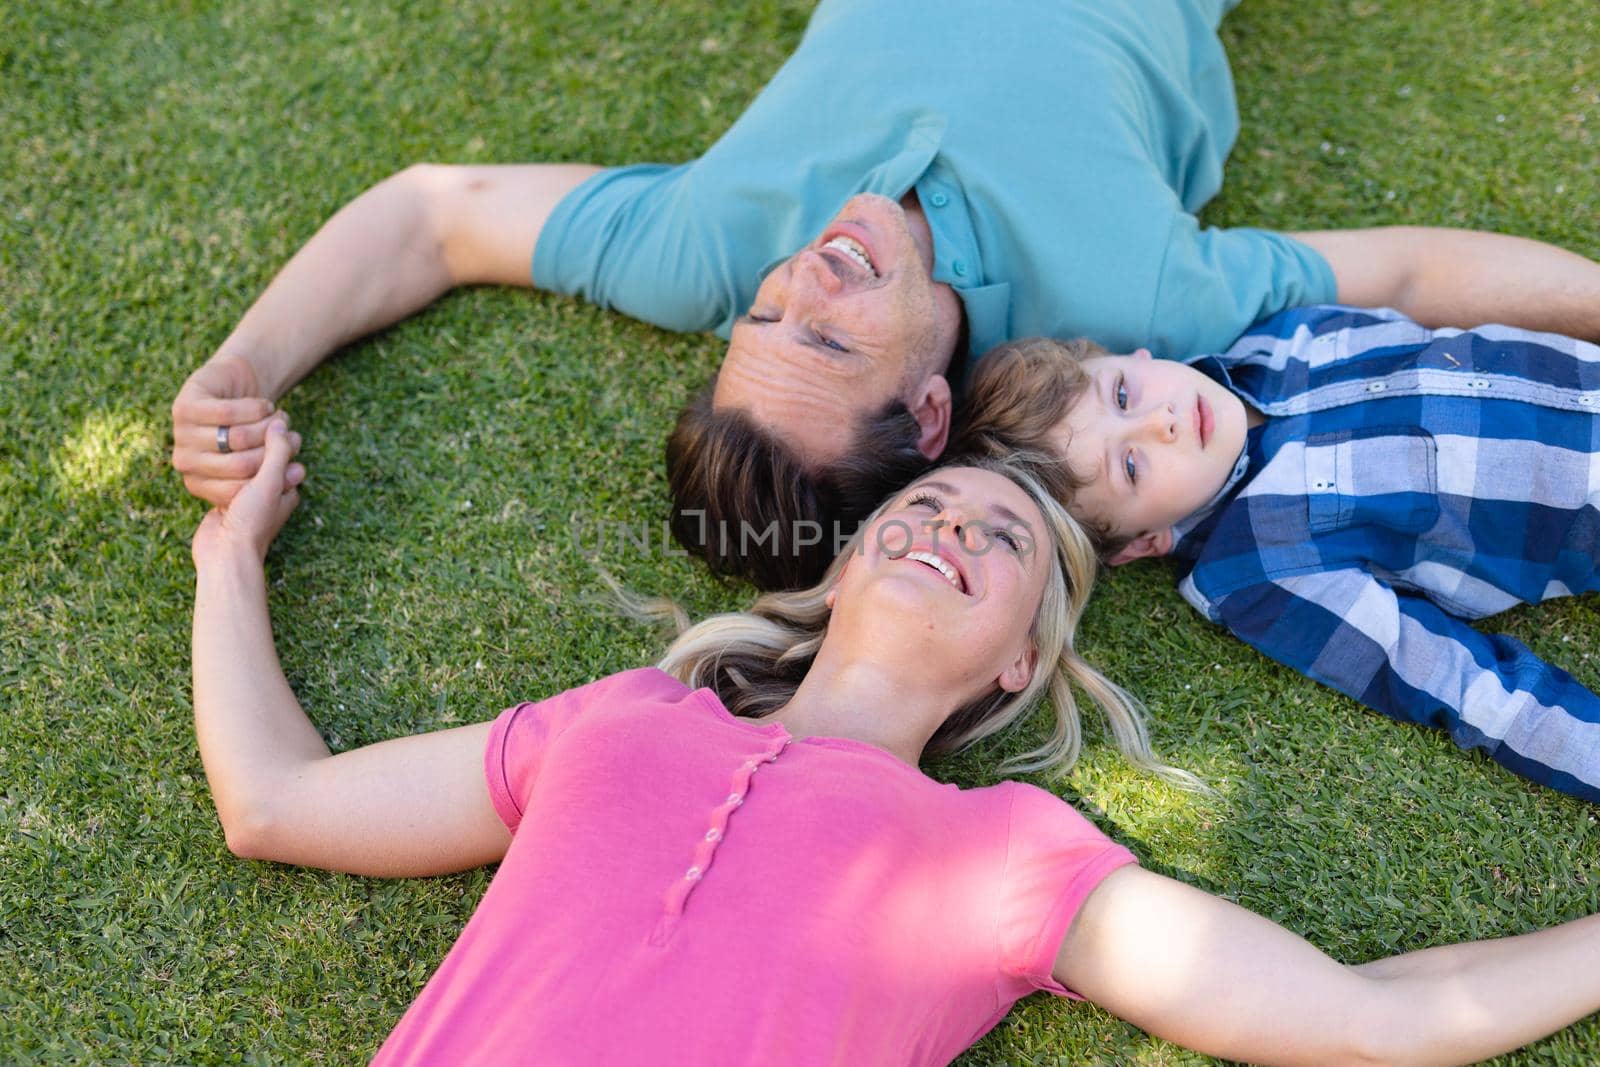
(855, 251)
(937, 564)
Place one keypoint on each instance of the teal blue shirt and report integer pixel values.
(1059, 151)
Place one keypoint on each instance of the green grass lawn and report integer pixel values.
(159, 162)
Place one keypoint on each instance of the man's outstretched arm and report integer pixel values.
(390, 252)
(1443, 277)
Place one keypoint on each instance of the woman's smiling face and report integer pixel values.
(949, 577)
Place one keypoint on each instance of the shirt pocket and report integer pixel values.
(1381, 476)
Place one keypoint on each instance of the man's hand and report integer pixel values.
(223, 392)
(390, 252)
(259, 508)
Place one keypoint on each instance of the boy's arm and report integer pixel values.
(1445, 277)
(418, 805)
(387, 254)
(1407, 658)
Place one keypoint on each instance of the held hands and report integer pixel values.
(259, 507)
(222, 393)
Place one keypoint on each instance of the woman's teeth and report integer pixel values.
(939, 565)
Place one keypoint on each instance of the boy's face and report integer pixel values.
(1154, 440)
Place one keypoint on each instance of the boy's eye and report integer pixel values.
(1122, 392)
(831, 343)
(759, 316)
(927, 500)
(1130, 468)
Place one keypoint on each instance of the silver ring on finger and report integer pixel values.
(222, 440)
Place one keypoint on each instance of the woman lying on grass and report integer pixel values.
(755, 871)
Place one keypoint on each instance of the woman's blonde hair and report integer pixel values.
(755, 660)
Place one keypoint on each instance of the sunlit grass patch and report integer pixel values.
(96, 456)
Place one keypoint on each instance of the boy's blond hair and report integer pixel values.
(1019, 393)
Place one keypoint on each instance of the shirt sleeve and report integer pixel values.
(522, 735)
(1215, 282)
(631, 239)
(1406, 657)
(1054, 859)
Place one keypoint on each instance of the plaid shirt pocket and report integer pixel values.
(1382, 476)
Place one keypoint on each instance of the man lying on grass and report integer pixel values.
(734, 858)
(1343, 489)
(922, 180)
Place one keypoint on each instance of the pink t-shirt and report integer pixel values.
(687, 887)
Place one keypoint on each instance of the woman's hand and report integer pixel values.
(224, 392)
(259, 509)
(411, 806)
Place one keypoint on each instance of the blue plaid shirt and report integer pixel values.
(1407, 480)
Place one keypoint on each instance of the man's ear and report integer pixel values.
(930, 405)
(1019, 672)
(1144, 546)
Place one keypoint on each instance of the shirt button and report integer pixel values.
(1375, 387)
(713, 834)
(736, 799)
(1480, 383)
(960, 267)
(938, 200)
(692, 874)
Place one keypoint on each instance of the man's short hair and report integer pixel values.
(1019, 393)
(744, 502)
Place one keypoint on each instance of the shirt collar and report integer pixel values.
(958, 258)
(893, 176)
(1213, 368)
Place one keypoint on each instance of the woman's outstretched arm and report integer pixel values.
(412, 806)
(1204, 973)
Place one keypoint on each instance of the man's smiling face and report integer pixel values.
(841, 328)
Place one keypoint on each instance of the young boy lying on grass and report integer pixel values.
(1343, 489)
